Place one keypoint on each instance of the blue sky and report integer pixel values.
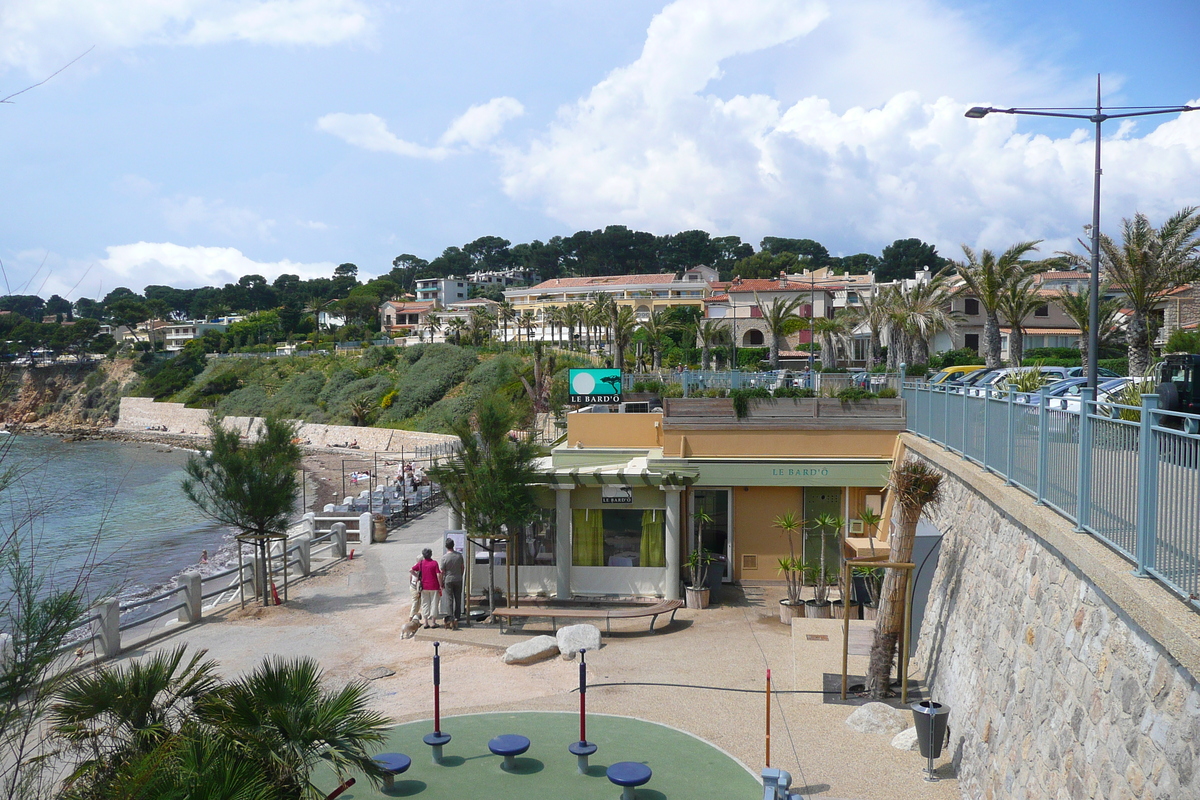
(204, 139)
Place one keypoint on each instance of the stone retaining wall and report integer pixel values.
(142, 414)
(1066, 677)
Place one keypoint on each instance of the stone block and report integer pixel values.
(878, 718)
(574, 638)
(530, 651)
(906, 740)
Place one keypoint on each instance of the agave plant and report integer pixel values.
(870, 520)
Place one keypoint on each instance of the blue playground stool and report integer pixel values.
(437, 741)
(629, 774)
(509, 745)
(581, 751)
(392, 764)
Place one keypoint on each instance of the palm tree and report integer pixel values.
(711, 333)
(832, 332)
(572, 316)
(526, 321)
(1076, 305)
(656, 327)
(602, 312)
(872, 311)
(781, 320)
(1148, 264)
(1019, 299)
(553, 316)
(434, 324)
(505, 312)
(917, 313)
(623, 330)
(480, 324)
(281, 718)
(456, 327)
(917, 486)
(119, 713)
(985, 276)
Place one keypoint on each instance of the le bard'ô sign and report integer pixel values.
(591, 386)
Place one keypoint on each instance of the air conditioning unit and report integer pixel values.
(635, 408)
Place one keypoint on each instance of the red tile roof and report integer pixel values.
(776, 285)
(604, 280)
(1047, 331)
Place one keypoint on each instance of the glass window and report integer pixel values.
(624, 538)
(537, 541)
(715, 531)
(971, 307)
(1042, 311)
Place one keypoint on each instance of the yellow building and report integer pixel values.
(643, 293)
(621, 494)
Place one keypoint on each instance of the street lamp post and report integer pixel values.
(1099, 117)
(812, 338)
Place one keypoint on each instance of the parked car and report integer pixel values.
(951, 373)
(997, 379)
(1077, 372)
(1107, 392)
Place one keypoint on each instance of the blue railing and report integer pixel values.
(1128, 475)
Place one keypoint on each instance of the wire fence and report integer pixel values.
(1128, 475)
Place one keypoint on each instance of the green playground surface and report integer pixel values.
(684, 766)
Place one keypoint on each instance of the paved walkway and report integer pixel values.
(703, 675)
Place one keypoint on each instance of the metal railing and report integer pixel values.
(1128, 475)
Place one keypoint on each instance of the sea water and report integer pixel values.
(113, 513)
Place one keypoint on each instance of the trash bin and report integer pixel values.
(930, 719)
(716, 573)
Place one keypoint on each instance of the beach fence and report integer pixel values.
(110, 628)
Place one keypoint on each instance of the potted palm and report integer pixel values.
(820, 573)
(870, 520)
(696, 592)
(867, 582)
(792, 568)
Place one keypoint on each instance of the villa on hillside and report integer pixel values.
(620, 495)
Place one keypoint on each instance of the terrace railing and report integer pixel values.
(1128, 475)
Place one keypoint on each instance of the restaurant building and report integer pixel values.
(620, 496)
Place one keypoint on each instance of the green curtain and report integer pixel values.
(654, 545)
(587, 539)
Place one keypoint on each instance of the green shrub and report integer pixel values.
(916, 370)
(1181, 341)
(742, 397)
(852, 393)
(1052, 352)
(962, 357)
(887, 392)
(751, 358)
(673, 390)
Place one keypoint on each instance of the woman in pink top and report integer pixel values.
(427, 572)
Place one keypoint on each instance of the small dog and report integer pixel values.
(409, 629)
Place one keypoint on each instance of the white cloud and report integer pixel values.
(371, 133)
(657, 145)
(136, 265)
(182, 214)
(40, 35)
(313, 225)
(473, 130)
(482, 123)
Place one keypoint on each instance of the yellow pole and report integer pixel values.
(845, 625)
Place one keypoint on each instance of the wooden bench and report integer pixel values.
(555, 613)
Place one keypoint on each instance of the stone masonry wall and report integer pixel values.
(142, 413)
(1055, 691)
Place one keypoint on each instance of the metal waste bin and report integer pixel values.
(930, 719)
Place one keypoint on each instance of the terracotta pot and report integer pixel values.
(814, 611)
(696, 598)
(789, 612)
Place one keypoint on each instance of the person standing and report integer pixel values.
(453, 567)
(429, 575)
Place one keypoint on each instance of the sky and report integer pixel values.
(195, 141)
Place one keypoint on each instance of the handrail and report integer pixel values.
(147, 601)
(156, 615)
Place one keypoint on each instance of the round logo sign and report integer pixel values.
(583, 383)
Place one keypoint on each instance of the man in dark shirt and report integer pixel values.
(452, 567)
